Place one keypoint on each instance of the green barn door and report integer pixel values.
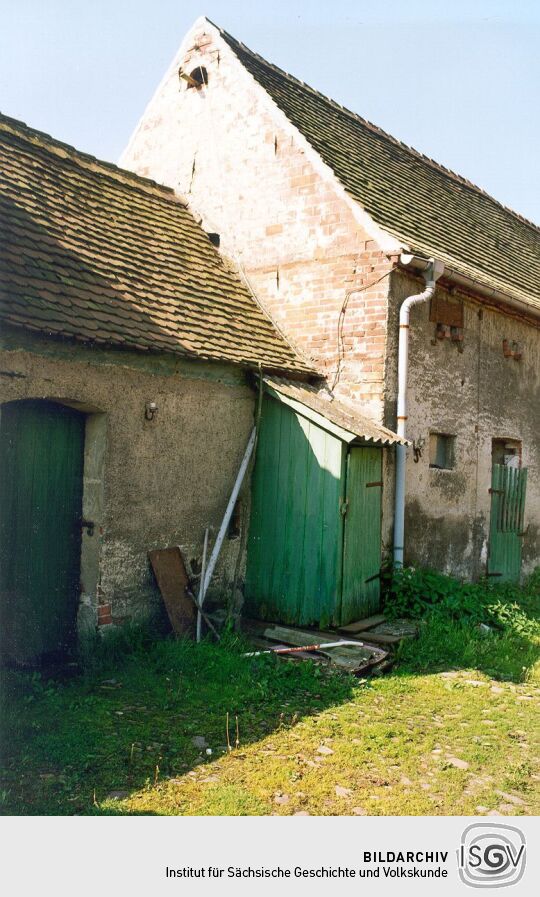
(508, 487)
(295, 536)
(362, 546)
(41, 465)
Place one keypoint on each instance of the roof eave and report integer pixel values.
(418, 264)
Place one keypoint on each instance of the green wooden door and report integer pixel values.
(41, 464)
(362, 544)
(508, 488)
(295, 538)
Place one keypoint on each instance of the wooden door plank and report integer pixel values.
(173, 581)
(294, 531)
(508, 487)
(362, 625)
(362, 542)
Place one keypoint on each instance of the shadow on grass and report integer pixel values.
(146, 718)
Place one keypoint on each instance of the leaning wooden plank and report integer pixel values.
(173, 581)
(361, 625)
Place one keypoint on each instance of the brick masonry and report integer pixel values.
(288, 225)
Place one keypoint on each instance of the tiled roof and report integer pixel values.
(434, 211)
(95, 253)
(353, 424)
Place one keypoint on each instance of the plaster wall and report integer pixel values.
(147, 484)
(477, 395)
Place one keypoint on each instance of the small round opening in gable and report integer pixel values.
(196, 79)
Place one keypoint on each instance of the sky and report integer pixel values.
(459, 81)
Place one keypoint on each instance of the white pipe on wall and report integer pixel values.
(431, 275)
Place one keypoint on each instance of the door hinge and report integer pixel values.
(378, 483)
(496, 491)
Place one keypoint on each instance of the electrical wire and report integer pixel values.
(341, 322)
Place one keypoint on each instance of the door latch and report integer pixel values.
(89, 526)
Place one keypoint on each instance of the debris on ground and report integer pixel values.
(383, 632)
(369, 652)
(348, 654)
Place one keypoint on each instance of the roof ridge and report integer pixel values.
(87, 160)
(448, 172)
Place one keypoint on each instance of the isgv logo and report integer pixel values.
(491, 856)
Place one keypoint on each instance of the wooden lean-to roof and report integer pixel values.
(425, 206)
(92, 252)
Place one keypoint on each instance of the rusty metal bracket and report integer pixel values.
(378, 483)
(89, 526)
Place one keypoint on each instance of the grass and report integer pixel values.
(452, 730)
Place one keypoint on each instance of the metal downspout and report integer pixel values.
(431, 275)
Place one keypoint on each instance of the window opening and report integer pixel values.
(442, 451)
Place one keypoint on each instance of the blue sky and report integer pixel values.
(460, 81)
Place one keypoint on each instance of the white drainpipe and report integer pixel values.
(431, 274)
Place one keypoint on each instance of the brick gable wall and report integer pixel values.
(227, 148)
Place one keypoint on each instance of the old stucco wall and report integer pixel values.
(279, 210)
(478, 395)
(147, 483)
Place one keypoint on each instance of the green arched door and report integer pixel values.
(41, 464)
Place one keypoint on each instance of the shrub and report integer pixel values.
(418, 593)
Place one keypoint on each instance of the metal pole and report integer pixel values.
(205, 582)
(203, 570)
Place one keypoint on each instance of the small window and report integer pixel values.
(197, 78)
(441, 451)
(506, 452)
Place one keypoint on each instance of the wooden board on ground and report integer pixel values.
(361, 625)
(173, 581)
(391, 631)
(355, 658)
(382, 638)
